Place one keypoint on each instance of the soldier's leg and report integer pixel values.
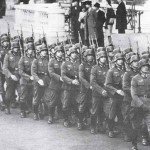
(53, 98)
(112, 115)
(59, 105)
(23, 100)
(65, 106)
(29, 98)
(38, 94)
(10, 94)
(94, 113)
(136, 121)
(81, 108)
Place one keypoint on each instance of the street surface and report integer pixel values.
(26, 134)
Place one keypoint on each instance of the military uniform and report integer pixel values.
(69, 72)
(127, 99)
(10, 67)
(85, 95)
(98, 76)
(54, 91)
(39, 70)
(140, 112)
(26, 83)
(113, 83)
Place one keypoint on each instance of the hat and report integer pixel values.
(129, 55)
(145, 52)
(43, 48)
(100, 54)
(116, 50)
(58, 48)
(88, 52)
(37, 43)
(72, 50)
(100, 49)
(15, 45)
(4, 38)
(97, 5)
(145, 56)
(143, 63)
(118, 56)
(30, 46)
(134, 58)
(126, 51)
(29, 39)
(109, 48)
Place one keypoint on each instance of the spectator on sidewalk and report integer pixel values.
(121, 19)
(2, 8)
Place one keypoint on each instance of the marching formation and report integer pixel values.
(101, 86)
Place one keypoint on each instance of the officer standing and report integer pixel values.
(26, 80)
(127, 94)
(85, 95)
(70, 76)
(114, 85)
(10, 69)
(140, 87)
(54, 91)
(99, 92)
(39, 70)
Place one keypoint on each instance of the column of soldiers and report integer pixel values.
(107, 88)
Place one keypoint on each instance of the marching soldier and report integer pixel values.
(5, 46)
(70, 75)
(140, 87)
(99, 92)
(54, 91)
(10, 69)
(127, 94)
(114, 85)
(85, 95)
(26, 80)
(39, 70)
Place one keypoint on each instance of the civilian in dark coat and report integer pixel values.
(2, 8)
(121, 20)
(75, 25)
(100, 19)
(90, 22)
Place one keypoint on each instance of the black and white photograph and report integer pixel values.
(74, 74)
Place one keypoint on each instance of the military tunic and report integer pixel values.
(113, 83)
(98, 76)
(10, 67)
(39, 70)
(85, 95)
(140, 112)
(69, 72)
(25, 82)
(53, 92)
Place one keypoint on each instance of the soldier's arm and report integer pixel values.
(126, 82)
(34, 70)
(93, 81)
(109, 82)
(21, 69)
(52, 71)
(5, 67)
(134, 93)
(63, 74)
(81, 77)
